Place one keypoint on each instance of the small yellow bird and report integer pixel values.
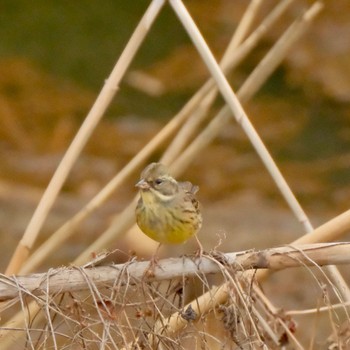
(167, 210)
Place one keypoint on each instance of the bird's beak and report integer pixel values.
(142, 185)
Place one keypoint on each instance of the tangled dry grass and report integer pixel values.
(210, 302)
(136, 315)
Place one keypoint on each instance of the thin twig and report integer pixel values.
(77, 279)
(48, 316)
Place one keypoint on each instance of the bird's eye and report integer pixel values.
(158, 181)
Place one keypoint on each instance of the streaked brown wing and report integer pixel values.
(190, 191)
(188, 187)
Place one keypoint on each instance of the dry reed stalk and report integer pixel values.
(245, 92)
(172, 325)
(253, 82)
(272, 310)
(306, 258)
(98, 109)
(236, 107)
(302, 23)
(315, 310)
(189, 128)
(233, 56)
(245, 24)
(333, 229)
(248, 89)
(229, 61)
(267, 65)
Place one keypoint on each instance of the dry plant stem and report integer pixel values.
(254, 81)
(171, 325)
(98, 299)
(102, 102)
(291, 336)
(68, 229)
(48, 316)
(76, 279)
(274, 57)
(7, 336)
(266, 326)
(125, 219)
(238, 53)
(244, 298)
(315, 310)
(233, 55)
(330, 231)
(245, 23)
(281, 183)
(23, 308)
(339, 282)
(245, 92)
(236, 108)
(187, 131)
(260, 296)
(265, 301)
(292, 34)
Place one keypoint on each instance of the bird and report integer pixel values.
(167, 210)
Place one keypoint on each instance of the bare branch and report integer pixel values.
(70, 279)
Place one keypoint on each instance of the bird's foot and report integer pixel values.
(149, 272)
(200, 251)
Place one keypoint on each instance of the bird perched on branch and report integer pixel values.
(167, 210)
